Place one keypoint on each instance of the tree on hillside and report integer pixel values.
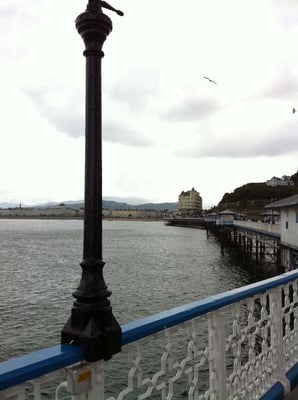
(295, 178)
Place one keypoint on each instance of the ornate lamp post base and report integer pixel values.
(95, 331)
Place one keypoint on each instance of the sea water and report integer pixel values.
(150, 267)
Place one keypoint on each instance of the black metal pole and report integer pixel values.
(92, 325)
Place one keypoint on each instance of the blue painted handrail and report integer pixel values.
(21, 369)
(141, 328)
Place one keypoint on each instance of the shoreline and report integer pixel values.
(78, 218)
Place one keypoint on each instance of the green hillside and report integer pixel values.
(253, 196)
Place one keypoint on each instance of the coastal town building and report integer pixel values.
(283, 181)
(190, 203)
(27, 212)
(64, 212)
(288, 210)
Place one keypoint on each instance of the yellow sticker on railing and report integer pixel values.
(84, 376)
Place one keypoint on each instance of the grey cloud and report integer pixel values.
(13, 10)
(141, 91)
(286, 12)
(15, 16)
(285, 86)
(136, 90)
(192, 109)
(67, 118)
(70, 123)
(282, 141)
(119, 133)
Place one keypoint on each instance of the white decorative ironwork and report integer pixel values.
(45, 387)
(168, 365)
(235, 352)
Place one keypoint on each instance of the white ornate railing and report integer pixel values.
(242, 344)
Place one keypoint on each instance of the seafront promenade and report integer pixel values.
(57, 217)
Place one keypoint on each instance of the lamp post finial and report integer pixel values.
(104, 4)
(97, 4)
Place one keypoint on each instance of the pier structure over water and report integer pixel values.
(276, 241)
(189, 222)
(265, 242)
(257, 239)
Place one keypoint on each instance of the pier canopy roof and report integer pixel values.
(287, 202)
(227, 212)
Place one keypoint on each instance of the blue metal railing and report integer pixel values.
(18, 370)
(139, 329)
(36, 364)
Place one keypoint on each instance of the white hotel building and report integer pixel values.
(190, 203)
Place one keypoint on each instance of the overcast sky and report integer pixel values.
(165, 127)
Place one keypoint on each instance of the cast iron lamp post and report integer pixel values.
(92, 325)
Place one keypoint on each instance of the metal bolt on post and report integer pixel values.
(92, 325)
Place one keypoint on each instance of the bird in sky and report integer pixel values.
(210, 80)
(294, 110)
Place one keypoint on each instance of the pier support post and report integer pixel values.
(92, 325)
(234, 237)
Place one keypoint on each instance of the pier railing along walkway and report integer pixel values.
(260, 227)
(241, 344)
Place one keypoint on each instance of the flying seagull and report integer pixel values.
(210, 80)
(294, 110)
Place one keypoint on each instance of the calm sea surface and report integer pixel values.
(150, 267)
